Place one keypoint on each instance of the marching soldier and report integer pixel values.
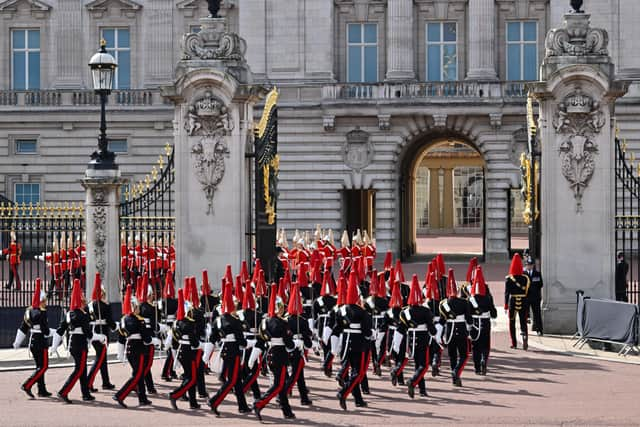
(149, 312)
(36, 324)
(516, 288)
(302, 340)
(14, 255)
(469, 279)
(201, 331)
(534, 297)
(186, 344)
(396, 341)
(274, 332)
(133, 338)
(416, 323)
(482, 311)
(354, 324)
(168, 307)
(102, 322)
(250, 318)
(433, 303)
(76, 324)
(377, 304)
(323, 308)
(228, 331)
(457, 313)
(208, 302)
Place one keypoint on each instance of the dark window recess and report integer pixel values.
(360, 211)
(118, 145)
(26, 146)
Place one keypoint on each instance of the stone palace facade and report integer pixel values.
(399, 116)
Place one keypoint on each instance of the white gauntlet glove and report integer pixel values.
(163, 328)
(100, 338)
(439, 330)
(253, 357)
(57, 340)
(397, 340)
(208, 351)
(120, 354)
(326, 334)
(156, 342)
(336, 345)
(20, 336)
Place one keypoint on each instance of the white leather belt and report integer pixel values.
(184, 342)
(208, 315)
(36, 329)
(77, 331)
(171, 317)
(354, 325)
(459, 319)
(481, 316)
(276, 342)
(135, 337)
(420, 327)
(352, 331)
(379, 316)
(308, 304)
(99, 322)
(229, 338)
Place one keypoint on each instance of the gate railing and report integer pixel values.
(627, 217)
(147, 224)
(45, 241)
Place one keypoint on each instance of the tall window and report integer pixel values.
(442, 52)
(119, 45)
(25, 59)
(27, 193)
(522, 51)
(468, 193)
(362, 53)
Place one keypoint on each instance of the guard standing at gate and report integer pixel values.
(36, 323)
(482, 311)
(102, 322)
(516, 288)
(534, 297)
(14, 254)
(133, 335)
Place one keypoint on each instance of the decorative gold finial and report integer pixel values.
(103, 43)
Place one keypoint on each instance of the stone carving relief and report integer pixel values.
(230, 47)
(358, 150)
(577, 38)
(208, 119)
(100, 221)
(578, 119)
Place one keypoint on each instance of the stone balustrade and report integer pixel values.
(71, 98)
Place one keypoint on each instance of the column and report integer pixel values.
(447, 200)
(481, 40)
(157, 18)
(400, 40)
(434, 198)
(70, 62)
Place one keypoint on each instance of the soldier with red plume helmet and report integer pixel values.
(516, 288)
(36, 324)
(168, 307)
(396, 342)
(377, 304)
(148, 310)
(433, 303)
(482, 311)
(250, 316)
(302, 340)
(102, 322)
(323, 309)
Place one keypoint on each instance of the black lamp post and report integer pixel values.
(103, 67)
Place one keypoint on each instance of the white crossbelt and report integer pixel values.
(77, 331)
(276, 342)
(419, 328)
(134, 337)
(459, 319)
(36, 329)
(229, 338)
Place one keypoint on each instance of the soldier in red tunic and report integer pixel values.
(13, 254)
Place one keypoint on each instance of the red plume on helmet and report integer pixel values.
(516, 265)
(452, 287)
(239, 294)
(415, 293)
(352, 292)
(479, 285)
(388, 261)
(249, 302)
(441, 267)
(303, 278)
(261, 285)
(35, 301)
(256, 271)
(433, 291)
(126, 304)
(342, 290)
(373, 285)
(436, 271)
(399, 273)
(193, 287)
(294, 308)
(97, 288)
(396, 296)
(244, 271)
(206, 287)
(382, 286)
(429, 271)
(76, 296)
(169, 287)
(272, 300)
(228, 275)
(473, 263)
(180, 312)
(228, 306)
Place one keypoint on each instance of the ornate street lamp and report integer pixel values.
(103, 67)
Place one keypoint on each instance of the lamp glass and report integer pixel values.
(102, 78)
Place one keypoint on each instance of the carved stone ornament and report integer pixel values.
(100, 221)
(358, 150)
(578, 120)
(208, 118)
(577, 38)
(213, 45)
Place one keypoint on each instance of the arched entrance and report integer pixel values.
(443, 197)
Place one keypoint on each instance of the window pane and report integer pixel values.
(513, 62)
(433, 32)
(26, 146)
(18, 39)
(123, 37)
(124, 70)
(434, 66)
(354, 33)
(530, 63)
(370, 33)
(449, 31)
(513, 31)
(370, 64)
(355, 66)
(19, 71)
(109, 36)
(449, 63)
(529, 31)
(34, 39)
(118, 145)
(34, 70)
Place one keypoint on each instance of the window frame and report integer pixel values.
(26, 50)
(15, 191)
(440, 44)
(115, 51)
(362, 45)
(521, 43)
(17, 152)
(119, 138)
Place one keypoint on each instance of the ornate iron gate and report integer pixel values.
(147, 224)
(627, 217)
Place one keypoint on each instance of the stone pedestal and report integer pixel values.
(213, 124)
(481, 40)
(576, 95)
(102, 224)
